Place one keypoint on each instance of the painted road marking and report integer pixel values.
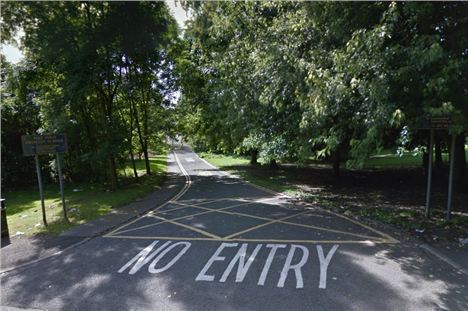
(119, 233)
(223, 210)
(267, 266)
(144, 257)
(263, 225)
(364, 242)
(189, 160)
(243, 266)
(296, 267)
(213, 236)
(239, 265)
(187, 185)
(324, 262)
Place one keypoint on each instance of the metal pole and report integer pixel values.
(41, 193)
(429, 175)
(59, 168)
(450, 188)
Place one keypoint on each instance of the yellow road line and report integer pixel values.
(179, 218)
(118, 229)
(292, 223)
(270, 220)
(388, 238)
(250, 240)
(187, 185)
(190, 228)
(167, 210)
(188, 180)
(262, 225)
(195, 204)
(158, 223)
(362, 225)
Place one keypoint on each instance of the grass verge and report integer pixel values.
(85, 201)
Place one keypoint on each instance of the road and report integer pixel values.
(223, 244)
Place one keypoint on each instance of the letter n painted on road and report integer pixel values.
(152, 266)
(143, 257)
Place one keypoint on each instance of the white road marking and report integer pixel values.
(202, 276)
(266, 267)
(239, 259)
(189, 160)
(242, 267)
(296, 267)
(141, 258)
(324, 261)
(152, 269)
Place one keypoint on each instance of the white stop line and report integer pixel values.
(189, 160)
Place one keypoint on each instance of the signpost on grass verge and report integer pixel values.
(35, 145)
(439, 123)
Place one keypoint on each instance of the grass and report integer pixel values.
(85, 201)
(389, 159)
(224, 160)
(239, 165)
(393, 160)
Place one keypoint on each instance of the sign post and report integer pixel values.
(59, 169)
(41, 191)
(438, 123)
(450, 186)
(429, 175)
(35, 145)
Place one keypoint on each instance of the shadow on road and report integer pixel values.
(360, 277)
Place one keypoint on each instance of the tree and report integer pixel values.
(325, 80)
(83, 51)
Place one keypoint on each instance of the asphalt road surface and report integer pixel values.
(222, 244)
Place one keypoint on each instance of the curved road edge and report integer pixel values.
(109, 229)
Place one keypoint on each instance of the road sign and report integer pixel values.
(44, 144)
(437, 123)
(35, 145)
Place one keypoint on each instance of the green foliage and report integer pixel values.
(101, 72)
(20, 115)
(294, 80)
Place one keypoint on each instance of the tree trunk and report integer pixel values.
(273, 164)
(254, 157)
(438, 152)
(130, 136)
(144, 146)
(147, 162)
(145, 132)
(336, 163)
(135, 173)
(112, 174)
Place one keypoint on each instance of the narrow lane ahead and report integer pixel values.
(222, 244)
